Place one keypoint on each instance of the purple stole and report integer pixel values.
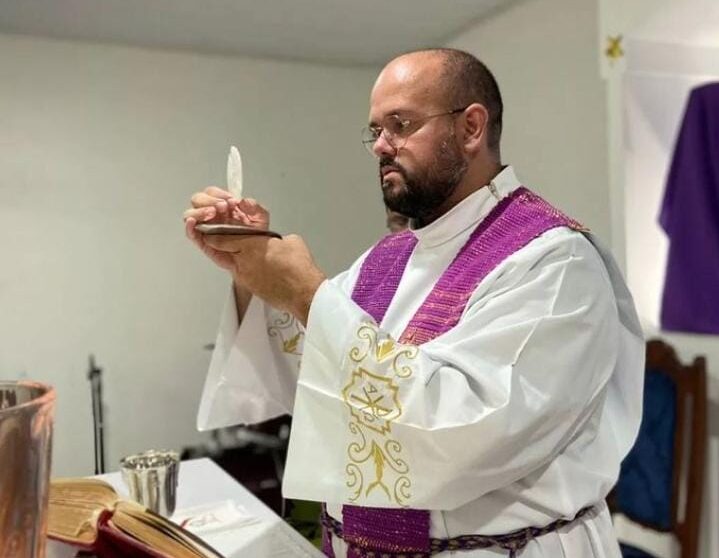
(514, 222)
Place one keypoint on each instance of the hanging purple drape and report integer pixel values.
(690, 218)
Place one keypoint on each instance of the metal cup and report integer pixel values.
(26, 420)
(152, 479)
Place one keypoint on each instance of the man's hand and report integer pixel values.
(214, 205)
(280, 271)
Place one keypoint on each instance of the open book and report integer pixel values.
(89, 513)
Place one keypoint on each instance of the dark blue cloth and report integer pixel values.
(690, 217)
(644, 489)
(633, 552)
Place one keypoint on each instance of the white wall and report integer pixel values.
(100, 149)
(543, 54)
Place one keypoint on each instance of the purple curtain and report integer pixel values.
(690, 218)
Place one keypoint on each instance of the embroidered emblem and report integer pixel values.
(372, 395)
(372, 400)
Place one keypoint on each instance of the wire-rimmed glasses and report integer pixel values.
(397, 129)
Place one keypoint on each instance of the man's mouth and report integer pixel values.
(387, 169)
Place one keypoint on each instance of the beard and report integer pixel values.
(421, 193)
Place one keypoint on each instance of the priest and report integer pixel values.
(470, 385)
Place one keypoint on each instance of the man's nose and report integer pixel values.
(383, 147)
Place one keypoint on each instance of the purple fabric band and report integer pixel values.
(392, 531)
(512, 224)
(381, 273)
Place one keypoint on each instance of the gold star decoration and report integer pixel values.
(614, 49)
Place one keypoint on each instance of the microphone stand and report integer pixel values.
(94, 374)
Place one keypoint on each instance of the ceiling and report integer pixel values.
(347, 32)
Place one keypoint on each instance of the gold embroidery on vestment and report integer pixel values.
(372, 395)
(288, 331)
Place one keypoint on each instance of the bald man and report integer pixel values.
(468, 386)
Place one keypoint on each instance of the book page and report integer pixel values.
(72, 523)
(160, 533)
(75, 506)
(84, 490)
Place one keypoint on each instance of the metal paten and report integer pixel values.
(26, 423)
(152, 479)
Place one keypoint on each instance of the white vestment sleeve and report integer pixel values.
(253, 370)
(438, 425)
(254, 366)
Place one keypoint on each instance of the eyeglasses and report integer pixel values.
(396, 129)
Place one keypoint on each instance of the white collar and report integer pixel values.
(469, 212)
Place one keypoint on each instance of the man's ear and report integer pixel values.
(474, 128)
